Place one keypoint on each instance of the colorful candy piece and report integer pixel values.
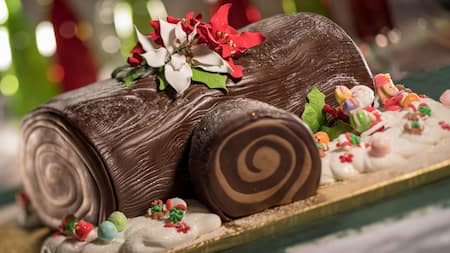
(107, 231)
(363, 94)
(445, 98)
(322, 141)
(385, 87)
(322, 137)
(156, 210)
(361, 120)
(342, 93)
(350, 105)
(176, 203)
(424, 110)
(407, 99)
(176, 215)
(119, 220)
(68, 224)
(82, 230)
(414, 127)
(393, 103)
(379, 147)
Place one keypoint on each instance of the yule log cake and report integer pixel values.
(119, 144)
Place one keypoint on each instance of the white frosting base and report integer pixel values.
(415, 151)
(142, 234)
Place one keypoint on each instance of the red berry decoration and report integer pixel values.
(82, 229)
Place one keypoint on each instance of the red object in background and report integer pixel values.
(370, 17)
(242, 12)
(73, 56)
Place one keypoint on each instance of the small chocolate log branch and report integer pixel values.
(106, 147)
(247, 156)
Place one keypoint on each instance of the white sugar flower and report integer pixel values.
(178, 45)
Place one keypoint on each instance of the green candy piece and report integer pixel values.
(415, 124)
(355, 139)
(119, 220)
(425, 110)
(176, 215)
(360, 120)
(70, 226)
(157, 208)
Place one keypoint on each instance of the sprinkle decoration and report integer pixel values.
(68, 224)
(346, 158)
(156, 210)
(176, 215)
(176, 209)
(181, 227)
(424, 109)
(444, 125)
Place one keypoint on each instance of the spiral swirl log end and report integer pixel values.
(60, 173)
(247, 156)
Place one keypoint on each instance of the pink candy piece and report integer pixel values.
(379, 147)
(445, 98)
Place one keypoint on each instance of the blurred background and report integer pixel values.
(51, 46)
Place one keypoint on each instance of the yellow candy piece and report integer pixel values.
(342, 93)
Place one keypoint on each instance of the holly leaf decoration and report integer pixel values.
(337, 129)
(212, 80)
(161, 79)
(313, 115)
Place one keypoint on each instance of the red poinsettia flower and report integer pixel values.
(226, 40)
(187, 24)
(135, 59)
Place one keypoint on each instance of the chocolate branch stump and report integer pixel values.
(108, 147)
(247, 156)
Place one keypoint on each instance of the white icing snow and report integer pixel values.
(142, 234)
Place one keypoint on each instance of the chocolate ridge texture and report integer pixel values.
(106, 147)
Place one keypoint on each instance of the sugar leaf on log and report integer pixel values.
(337, 129)
(212, 80)
(161, 79)
(133, 75)
(313, 115)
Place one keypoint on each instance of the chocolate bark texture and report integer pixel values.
(106, 147)
(247, 156)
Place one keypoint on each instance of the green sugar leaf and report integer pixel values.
(313, 115)
(161, 79)
(309, 116)
(337, 129)
(212, 80)
(133, 75)
(125, 68)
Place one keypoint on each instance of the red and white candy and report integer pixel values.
(84, 231)
(176, 203)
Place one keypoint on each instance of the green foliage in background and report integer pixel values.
(28, 65)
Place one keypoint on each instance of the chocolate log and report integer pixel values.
(247, 156)
(106, 147)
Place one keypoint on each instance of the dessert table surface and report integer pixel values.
(414, 221)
